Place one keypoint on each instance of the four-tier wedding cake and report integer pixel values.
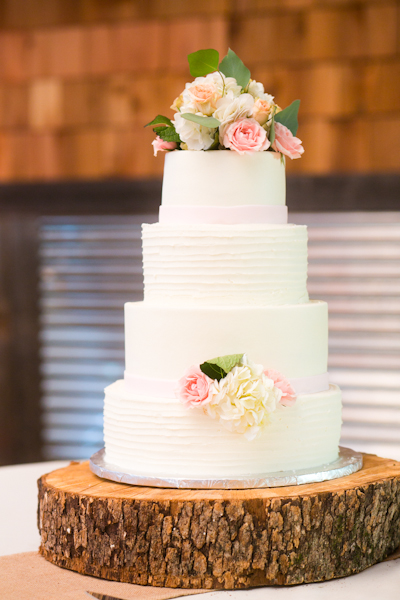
(226, 357)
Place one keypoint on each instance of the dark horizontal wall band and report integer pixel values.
(333, 193)
(341, 193)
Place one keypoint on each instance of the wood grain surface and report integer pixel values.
(217, 539)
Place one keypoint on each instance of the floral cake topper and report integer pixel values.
(238, 393)
(224, 109)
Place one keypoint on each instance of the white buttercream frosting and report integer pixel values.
(160, 437)
(223, 178)
(199, 265)
(235, 285)
(163, 341)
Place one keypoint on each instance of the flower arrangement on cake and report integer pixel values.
(224, 109)
(238, 393)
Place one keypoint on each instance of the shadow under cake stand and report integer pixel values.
(220, 538)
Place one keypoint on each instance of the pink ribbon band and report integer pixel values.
(223, 215)
(165, 388)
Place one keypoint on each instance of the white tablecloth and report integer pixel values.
(18, 500)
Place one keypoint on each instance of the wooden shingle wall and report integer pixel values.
(79, 79)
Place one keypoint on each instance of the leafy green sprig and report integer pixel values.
(165, 129)
(218, 368)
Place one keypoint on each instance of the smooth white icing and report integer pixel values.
(227, 215)
(160, 437)
(223, 178)
(199, 265)
(163, 341)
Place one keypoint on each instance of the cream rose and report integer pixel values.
(202, 94)
(232, 109)
(194, 135)
(261, 111)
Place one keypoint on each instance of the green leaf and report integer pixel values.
(204, 121)
(160, 120)
(288, 116)
(272, 131)
(213, 371)
(215, 144)
(226, 362)
(169, 135)
(219, 367)
(232, 66)
(203, 62)
(159, 128)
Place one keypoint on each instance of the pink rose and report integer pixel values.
(159, 144)
(194, 388)
(286, 143)
(246, 135)
(288, 394)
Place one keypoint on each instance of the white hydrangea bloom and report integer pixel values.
(256, 89)
(194, 135)
(244, 400)
(231, 109)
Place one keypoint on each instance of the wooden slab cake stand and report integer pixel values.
(216, 539)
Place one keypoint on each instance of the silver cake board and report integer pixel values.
(348, 462)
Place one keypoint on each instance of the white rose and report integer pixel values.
(256, 89)
(232, 87)
(232, 109)
(244, 400)
(195, 136)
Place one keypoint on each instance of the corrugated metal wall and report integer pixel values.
(91, 266)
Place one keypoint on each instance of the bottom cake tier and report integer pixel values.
(160, 437)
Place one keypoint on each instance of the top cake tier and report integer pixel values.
(223, 187)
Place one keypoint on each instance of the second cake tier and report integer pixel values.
(162, 342)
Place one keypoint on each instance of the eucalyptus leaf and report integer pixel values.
(232, 66)
(213, 371)
(203, 62)
(203, 121)
(288, 116)
(160, 120)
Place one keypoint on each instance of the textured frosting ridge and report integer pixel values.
(225, 264)
(160, 437)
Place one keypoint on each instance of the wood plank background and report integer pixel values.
(80, 78)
